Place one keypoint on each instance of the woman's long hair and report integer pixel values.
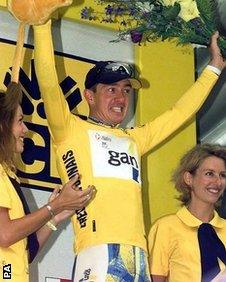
(9, 102)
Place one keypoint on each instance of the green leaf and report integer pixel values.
(208, 12)
(171, 12)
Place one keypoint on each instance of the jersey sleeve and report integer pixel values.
(159, 249)
(5, 200)
(56, 108)
(157, 130)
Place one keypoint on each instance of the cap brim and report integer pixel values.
(109, 78)
(135, 83)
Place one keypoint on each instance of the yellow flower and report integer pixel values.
(168, 2)
(189, 8)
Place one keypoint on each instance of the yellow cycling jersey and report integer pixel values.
(106, 157)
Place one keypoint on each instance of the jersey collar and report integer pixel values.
(190, 220)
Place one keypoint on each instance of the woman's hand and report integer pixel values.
(217, 59)
(66, 200)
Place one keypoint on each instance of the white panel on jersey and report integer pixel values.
(117, 156)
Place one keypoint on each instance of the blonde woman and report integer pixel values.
(190, 245)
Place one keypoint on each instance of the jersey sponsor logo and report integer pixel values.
(117, 155)
(71, 166)
(118, 159)
(72, 169)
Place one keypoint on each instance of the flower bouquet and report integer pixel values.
(190, 21)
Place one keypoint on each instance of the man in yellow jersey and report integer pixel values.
(110, 242)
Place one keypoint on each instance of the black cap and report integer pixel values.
(108, 72)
